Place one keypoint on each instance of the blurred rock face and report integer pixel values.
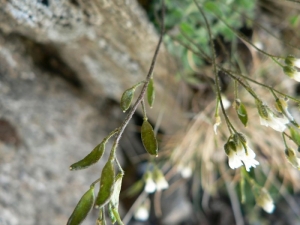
(63, 65)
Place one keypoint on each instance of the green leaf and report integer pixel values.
(242, 114)
(106, 184)
(91, 158)
(82, 208)
(148, 138)
(151, 92)
(127, 98)
(213, 7)
(295, 135)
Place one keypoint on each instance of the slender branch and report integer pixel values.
(143, 91)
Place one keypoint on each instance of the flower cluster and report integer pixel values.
(239, 152)
(155, 181)
(269, 118)
(292, 67)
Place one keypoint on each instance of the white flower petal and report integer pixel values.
(150, 186)
(234, 161)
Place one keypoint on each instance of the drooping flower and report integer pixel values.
(142, 212)
(269, 119)
(282, 107)
(150, 185)
(292, 72)
(263, 199)
(234, 160)
(185, 170)
(160, 180)
(240, 153)
(292, 61)
(292, 158)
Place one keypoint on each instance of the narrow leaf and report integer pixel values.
(242, 114)
(127, 98)
(151, 92)
(213, 7)
(82, 208)
(106, 184)
(91, 158)
(148, 138)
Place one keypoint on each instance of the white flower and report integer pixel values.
(278, 124)
(282, 107)
(150, 185)
(142, 213)
(269, 119)
(234, 160)
(237, 155)
(160, 180)
(292, 72)
(292, 158)
(264, 200)
(247, 158)
(185, 171)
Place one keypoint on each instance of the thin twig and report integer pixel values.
(143, 91)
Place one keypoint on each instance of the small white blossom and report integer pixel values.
(238, 155)
(142, 213)
(292, 158)
(248, 158)
(150, 185)
(264, 200)
(160, 180)
(234, 160)
(185, 171)
(269, 119)
(292, 72)
(277, 123)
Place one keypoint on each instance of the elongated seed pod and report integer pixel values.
(126, 99)
(148, 138)
(106, 184)
(150, 93)
(91, 158)
(242, 114)
(82, 208)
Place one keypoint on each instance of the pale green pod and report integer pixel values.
(150, 93)
(82, 208)
(91, 158)
(242, 114)
(127, 99)
(148, 138)
(106, 184)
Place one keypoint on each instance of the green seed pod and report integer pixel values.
(151, 92)
(82, 208)
(106, 184)
(242, 113)
(91, 158)
(148, 138)
(127, 98)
